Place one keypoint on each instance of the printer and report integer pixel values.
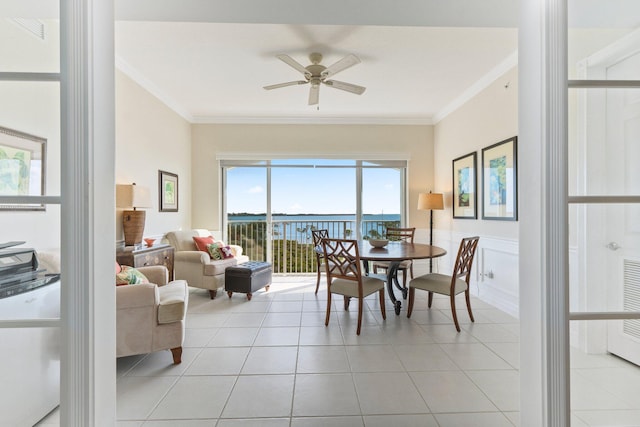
(19, 270)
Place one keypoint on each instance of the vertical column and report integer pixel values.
(544, 349)
(88, 208)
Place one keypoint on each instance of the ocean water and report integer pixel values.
(298, 227)
(314, 217)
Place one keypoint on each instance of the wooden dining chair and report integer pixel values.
(318, 235)
(344, 277)
(402, 235)
(450, 285)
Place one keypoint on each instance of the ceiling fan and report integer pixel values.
(315, 74)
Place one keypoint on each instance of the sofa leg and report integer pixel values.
(212, 293)
(177, 355)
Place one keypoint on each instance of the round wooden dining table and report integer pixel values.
(395, 253)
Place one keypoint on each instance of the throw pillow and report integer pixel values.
(130, 276)
(214, 250)
(226, 252)
(202, 242)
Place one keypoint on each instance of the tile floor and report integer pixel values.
(271, 362)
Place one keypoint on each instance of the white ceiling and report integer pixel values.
(215, 72)
(209, 59)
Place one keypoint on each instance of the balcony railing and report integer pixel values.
(289, 244)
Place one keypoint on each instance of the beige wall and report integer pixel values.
(490, 117)
(151, 137)
(416, 142)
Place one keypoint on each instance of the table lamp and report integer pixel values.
(430, 201)
(132, 196)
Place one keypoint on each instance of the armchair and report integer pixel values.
(151, 316)
(197, 267)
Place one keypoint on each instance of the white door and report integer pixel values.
(623, 220)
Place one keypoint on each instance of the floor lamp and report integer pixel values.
(430, 201)
(132, 197)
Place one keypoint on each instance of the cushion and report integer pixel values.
(118, 268)
(214, 250)
(202, 242)
(130, 276)
(226, 252)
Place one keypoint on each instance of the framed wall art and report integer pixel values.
(168, 191)
(22, 168)
(465, 187)
(500, 181)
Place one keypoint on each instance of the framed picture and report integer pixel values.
(22, 168)
(464, 187)
(500, 181)
(168, 191)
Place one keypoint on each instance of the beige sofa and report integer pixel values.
(151, 317)
(197, 267)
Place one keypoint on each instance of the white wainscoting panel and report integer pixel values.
(495, 268)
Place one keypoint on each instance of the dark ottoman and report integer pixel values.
(247, 278)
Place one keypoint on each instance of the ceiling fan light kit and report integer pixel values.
(317, 74)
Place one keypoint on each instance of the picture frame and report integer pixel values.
(22, 168)
(168, 191)
(500, 181)
(465, 188)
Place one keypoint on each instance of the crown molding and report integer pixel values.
(404, 121)
(486, 80)
(154, 90)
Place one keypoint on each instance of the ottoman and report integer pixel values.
(247, 278)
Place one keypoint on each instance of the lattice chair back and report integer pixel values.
(342, 259)
(401, 234)
(464, 260)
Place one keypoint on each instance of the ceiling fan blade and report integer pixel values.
(349, 87)
(278, 85)
(314, 94)
(293, 63)
(346, 62)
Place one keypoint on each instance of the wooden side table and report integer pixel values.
(145, 256)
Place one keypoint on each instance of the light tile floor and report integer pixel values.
(271, 362)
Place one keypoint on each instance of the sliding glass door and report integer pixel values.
(271, 206)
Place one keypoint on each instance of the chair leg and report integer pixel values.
(318, 281)
(383, 309)
(326, 319)
(430, 299)
(347, 300)
(411, 270)
(466, 297)
(360, 302)
(452, 297)
(213, 293)
(177, 355)
(412, 295)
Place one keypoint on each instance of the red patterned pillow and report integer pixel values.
(226, 252)
(202, 242)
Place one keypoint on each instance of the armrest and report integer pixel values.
(158, 274)
(193, 257)
(131, 296)
(236, 249)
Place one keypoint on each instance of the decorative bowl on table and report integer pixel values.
(149, 241)
(378, 243)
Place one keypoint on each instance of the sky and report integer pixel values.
(312, 190)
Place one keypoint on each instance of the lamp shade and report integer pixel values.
(132, 196)
(430, 201)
